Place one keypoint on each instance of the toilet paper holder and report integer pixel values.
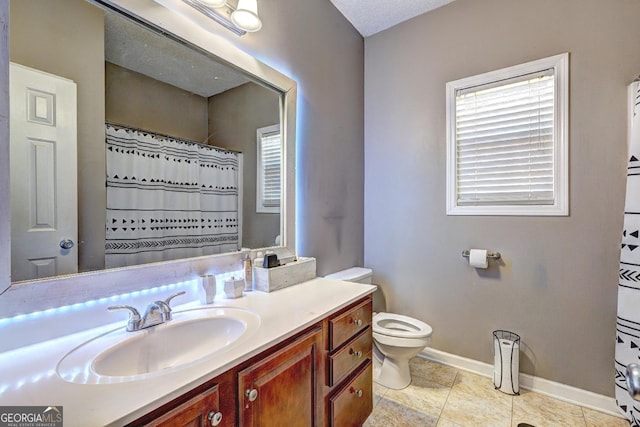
(492, 255)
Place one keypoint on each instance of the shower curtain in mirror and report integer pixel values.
(168, 198)
(628, 320)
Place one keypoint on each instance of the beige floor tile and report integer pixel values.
(442, 396)
(393, 414)
(448, 423)
(432, 371)
(378, 392)
(599, 419)
(467, 408)
(421, 395)
(480, 386)
(542, 411)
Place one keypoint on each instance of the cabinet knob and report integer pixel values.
(251, 394)
(357, 354)
(215, 418)
(357, 322)
(356, 392)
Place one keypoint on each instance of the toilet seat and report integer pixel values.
(397, 325)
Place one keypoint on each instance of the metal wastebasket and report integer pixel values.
(506, 350)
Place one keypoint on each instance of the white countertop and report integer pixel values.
(28, 374)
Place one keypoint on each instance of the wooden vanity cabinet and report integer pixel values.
(320, 377)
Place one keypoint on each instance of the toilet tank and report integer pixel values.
(353, 274)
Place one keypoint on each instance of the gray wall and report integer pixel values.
(557, 286)
(315, 45)
(234, 117)
(139, 101)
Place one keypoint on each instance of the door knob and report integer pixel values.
(66, 243)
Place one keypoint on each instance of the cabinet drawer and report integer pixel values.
(349, 356)
(349, 323)
(353, 403)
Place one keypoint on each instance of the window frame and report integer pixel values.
(260, 206)
(560, 207)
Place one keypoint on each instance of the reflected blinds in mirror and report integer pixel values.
(168, 198)
(269, 169)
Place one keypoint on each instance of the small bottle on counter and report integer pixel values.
(246, 266)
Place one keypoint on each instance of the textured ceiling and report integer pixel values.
(135, 48)
(372, 16)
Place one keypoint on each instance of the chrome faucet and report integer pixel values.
(156, 313)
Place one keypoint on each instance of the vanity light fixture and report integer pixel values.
(240, 20)
(214, 3)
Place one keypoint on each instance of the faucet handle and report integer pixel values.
(134, 316)
(165, 308)
(177, 294)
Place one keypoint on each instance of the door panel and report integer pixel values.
(43, 133)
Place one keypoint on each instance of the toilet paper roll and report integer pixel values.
(506, 366)
(478, 258)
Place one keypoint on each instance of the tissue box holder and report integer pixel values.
(272, 279)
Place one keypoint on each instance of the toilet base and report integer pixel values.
(389, 372)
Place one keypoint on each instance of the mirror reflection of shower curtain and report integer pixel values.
(168, 198)
(628, 320)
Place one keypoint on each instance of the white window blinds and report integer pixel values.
(507, 140)
(504, 141)
(269, 167)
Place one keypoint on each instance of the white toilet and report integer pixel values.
(396, 338)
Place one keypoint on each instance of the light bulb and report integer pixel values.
(246, 16)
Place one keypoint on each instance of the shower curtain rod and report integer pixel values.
(162, 135)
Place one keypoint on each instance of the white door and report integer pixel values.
(43, 131)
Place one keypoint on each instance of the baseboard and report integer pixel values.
(553, 389)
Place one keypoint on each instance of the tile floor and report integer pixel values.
(442, 396)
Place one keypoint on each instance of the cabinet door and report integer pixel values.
(282, 389)
(199, 411)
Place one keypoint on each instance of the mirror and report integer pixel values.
(149, 83)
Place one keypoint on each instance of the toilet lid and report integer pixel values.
(397, 325)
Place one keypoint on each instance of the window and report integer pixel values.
(269, 167)
(507, 141)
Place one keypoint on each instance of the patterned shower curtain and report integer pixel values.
(168, 198)
(628, 321)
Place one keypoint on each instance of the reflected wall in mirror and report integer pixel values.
(119, 72)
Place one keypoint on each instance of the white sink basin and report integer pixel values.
(192, 336)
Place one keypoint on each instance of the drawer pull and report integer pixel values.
(215, 418)
(357, 322)
(356, 392)
(357, 354)
(251, 394)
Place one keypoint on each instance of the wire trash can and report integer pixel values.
(506, 357)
